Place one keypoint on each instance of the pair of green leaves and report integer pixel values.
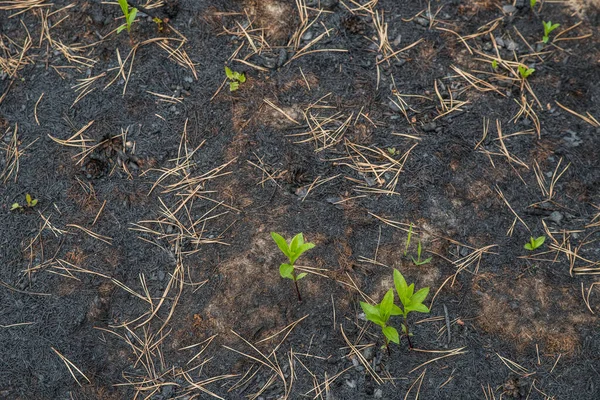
(380, 313)
(235, 78)
(525, 71)
(548, 28)
(534, 243)
(129, 14)
(418, 260)
(31, 202)
(292, 251)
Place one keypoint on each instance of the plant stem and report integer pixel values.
(297, 290)
(387, 346)
(407, 333)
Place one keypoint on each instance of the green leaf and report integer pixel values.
(121, 28)
(528, 246)
(131, 16)
(229, 73)
(124, 7)
(495, 64)
(422, 308)
(385, 307)
(396, 310)
(281, 243)
(34, 202)
(391, 334)
(15, 206)
(300, 276)
(410, 291)
(286, 271)
(419, 251)
(539, 241)
(401, 287)
(28, 198)
(372, 313)
(233, 86)
(296, 242)
(418, 297)
(242, 77)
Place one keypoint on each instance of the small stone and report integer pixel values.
(487, 46)
(499, 41)
(556, 217)
(161, 275)
(329, 4)
(308, 35)
(509, 9)
(378, 394)
(573, 140)
(351, 383)
(429, 126)
(368, 353)
(398, 40)
(511, 45)
(422, 21)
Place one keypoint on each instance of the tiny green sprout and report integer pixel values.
(235, 78)
(548, 27)
(410, 228)
(532, 3)
(129, 13)
(31, 202)
(410, 300)
(534, 243)
(418, 261)
(392, 151)
(494, 65)
(525, 71)
(292, 251)
(380, 314)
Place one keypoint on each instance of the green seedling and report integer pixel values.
(418, 261)
(129, 13)
(410, 301)
(31, 202)
(392, 151)
(548, 27)
(235, 78)
(494, 65)
(380, 314)
(408, 240)
(534, 243)
(525, 71)
(532, 3)
(292, 251)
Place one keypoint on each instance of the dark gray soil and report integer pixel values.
(62, 291)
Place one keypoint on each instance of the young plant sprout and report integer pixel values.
(129, 13)
(534, 243)
(31, 202)
(292, 251)
(235, 78)
(410, 301)
(532, 3)
(525, 71)
(494, 65)
(408, 240)
(418, 261)
(380, 314)
(548, 27)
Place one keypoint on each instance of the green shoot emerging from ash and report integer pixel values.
(534, 243)
(548, 28)
(235, 78)
(292, 251)
(129, 13)
(31, 202)
(410, 300)
(380, 314)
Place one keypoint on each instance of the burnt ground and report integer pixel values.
(146, 269)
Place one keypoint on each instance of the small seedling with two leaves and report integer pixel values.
(535, 243)
(292, 251)
(419, 261)
(31, 202)
(548, 28)
(380, 314)
(235, 78)
(525, 71)
(411, 301)
(129, 13)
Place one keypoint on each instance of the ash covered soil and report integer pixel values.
(146, 269)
